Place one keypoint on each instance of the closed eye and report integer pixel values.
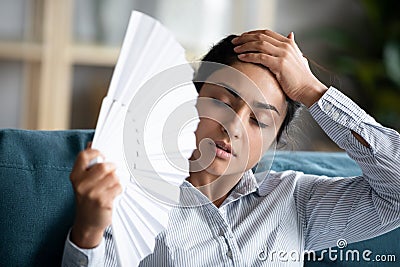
(220, 103)
(258, 123)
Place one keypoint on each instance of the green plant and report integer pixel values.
(368, 51)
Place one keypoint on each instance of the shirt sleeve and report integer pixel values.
(105, 254)
(354, 208)
(77, 257)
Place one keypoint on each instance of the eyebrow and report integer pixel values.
(267, 106)
(229, 89)
(257, 104)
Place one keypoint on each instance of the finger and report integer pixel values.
(258, 46)
(244, 38)
(94, 161)
(96, 182)
(108, 196)
(259, 58)
(115, 190)
(107, 182)
(100, 170)
(269, 33)
(111, 180)
(92, 175)
(111, 188)
(83, 159)
(106, 189)
(291, 37)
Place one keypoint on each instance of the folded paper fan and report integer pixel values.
(146, 127)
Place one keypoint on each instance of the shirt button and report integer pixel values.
(328, 107)
(229, 254)
(335, 115)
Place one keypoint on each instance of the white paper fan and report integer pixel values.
(146, 127)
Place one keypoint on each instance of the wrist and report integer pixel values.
(313, 94)
(86, 238)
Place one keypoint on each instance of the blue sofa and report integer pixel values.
(37, 201)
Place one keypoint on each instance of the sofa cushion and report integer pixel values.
(36, 203)
(319, 163)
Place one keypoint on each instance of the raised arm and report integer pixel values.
(354, 208)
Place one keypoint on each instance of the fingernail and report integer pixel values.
(236, 48)
(242, 56)
(234, 40)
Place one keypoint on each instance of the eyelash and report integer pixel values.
(254, 120)
(220, 103)
(258, 123)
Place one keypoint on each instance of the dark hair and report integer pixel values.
(223, 53)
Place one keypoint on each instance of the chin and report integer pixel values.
(223, 170)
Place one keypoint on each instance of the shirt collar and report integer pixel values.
(191, 196)
(247, 185)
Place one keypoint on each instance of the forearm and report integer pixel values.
(375, 148)
(355, 208)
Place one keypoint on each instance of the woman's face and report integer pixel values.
(239, 118)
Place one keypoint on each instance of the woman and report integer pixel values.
(241, 222)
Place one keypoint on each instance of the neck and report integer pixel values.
(215, 188)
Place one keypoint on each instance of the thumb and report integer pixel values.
(291, 37)
(305, 61)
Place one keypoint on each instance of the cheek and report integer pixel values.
(253, 146)
(256, 150)
(259, 142)
(204, 128)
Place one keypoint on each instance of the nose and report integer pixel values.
(233, 125)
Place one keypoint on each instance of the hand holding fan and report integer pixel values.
(146, 127)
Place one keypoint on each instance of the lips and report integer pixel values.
(227, 148)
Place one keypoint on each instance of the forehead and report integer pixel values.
(253, 83)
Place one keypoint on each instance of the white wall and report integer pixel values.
(12, 19)
(10, 92)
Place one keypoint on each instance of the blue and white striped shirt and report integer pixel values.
(289, 211)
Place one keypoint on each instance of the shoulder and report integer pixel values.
(283, 182)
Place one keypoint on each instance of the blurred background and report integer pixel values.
(57, 56)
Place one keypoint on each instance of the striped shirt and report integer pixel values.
(288, 212)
